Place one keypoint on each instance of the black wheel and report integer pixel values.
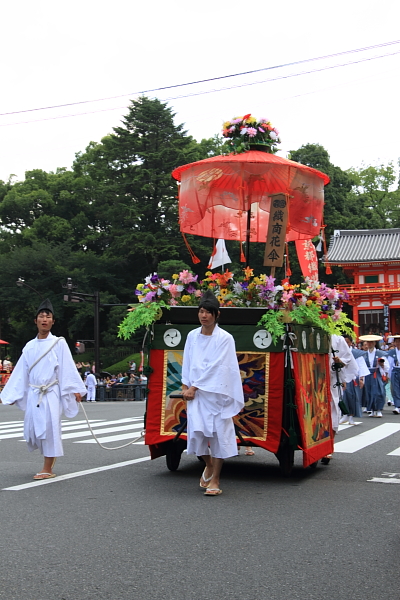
(314, 465)
(325, 460)
(285, 456)
(173, 457)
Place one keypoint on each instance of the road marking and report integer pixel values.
(383, 480)
(88, 433)
(18, 431)
(11, 423)
(25, 486)
(111, 438)
(358, 442)
(347, 425)
(395, 452)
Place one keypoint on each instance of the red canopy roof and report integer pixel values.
(216, 194)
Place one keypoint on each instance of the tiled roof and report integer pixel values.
(364, 245)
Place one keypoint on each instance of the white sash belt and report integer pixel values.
(42, 389)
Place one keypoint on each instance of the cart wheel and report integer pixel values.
(285, 456)
(325, 460)
(173, 457)
(314, 465)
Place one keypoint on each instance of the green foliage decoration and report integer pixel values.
(140, 315)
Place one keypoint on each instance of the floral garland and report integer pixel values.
(243, 131)
(308, 303)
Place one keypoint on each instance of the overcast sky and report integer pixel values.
(58, 52)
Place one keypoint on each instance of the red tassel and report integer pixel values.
(242, 256)
(288, 269)
(194, 258)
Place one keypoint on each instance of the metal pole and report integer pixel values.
(97, 332)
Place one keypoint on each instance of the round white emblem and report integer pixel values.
(262, 339)
(304, 339)
(172, 337)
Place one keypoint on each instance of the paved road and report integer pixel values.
(115, 526)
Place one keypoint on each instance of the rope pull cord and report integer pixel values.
(107, 447)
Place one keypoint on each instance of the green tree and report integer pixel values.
(373, 202)
(134, 195)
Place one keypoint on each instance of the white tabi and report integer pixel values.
(346, 374)
(210, 364)
(57, 370)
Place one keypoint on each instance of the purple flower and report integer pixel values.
(245, 285)
(190, 289)
(149, 296)
(154, 278)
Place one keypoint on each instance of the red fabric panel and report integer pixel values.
(275, 402)
(313, 400)
(308, 259)
(273, 414)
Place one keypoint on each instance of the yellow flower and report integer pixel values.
(224, 292)
(309, 303)
(175, 276)
(208, 274)
(186, 298)
(226, 124)
(220, 298)
(140, 286)
(263, 277)
(251, 120)
(257, 280)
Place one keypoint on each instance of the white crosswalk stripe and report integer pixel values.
(367, 438)
(127, 428)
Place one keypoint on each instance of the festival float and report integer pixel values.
(282, 331)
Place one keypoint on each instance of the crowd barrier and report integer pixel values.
(123, 392)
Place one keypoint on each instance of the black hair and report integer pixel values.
(210, 303)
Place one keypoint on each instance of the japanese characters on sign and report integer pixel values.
(307, 258)
(275, 245)
(386, 317)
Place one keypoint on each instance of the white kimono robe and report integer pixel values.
(346, 374)
(210, 364)
(42, 424)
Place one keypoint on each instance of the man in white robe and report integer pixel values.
(212, 386)
(91, 383)
(45, 384)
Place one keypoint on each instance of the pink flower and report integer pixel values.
(251, 131)
(261, 129)
(231, 129)
(173, 290)
(186, 277)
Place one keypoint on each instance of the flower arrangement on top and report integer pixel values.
(243, 131)
(310, 302)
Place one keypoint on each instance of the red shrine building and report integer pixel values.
(372, 258)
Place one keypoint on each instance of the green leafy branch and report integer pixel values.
(140, 315)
